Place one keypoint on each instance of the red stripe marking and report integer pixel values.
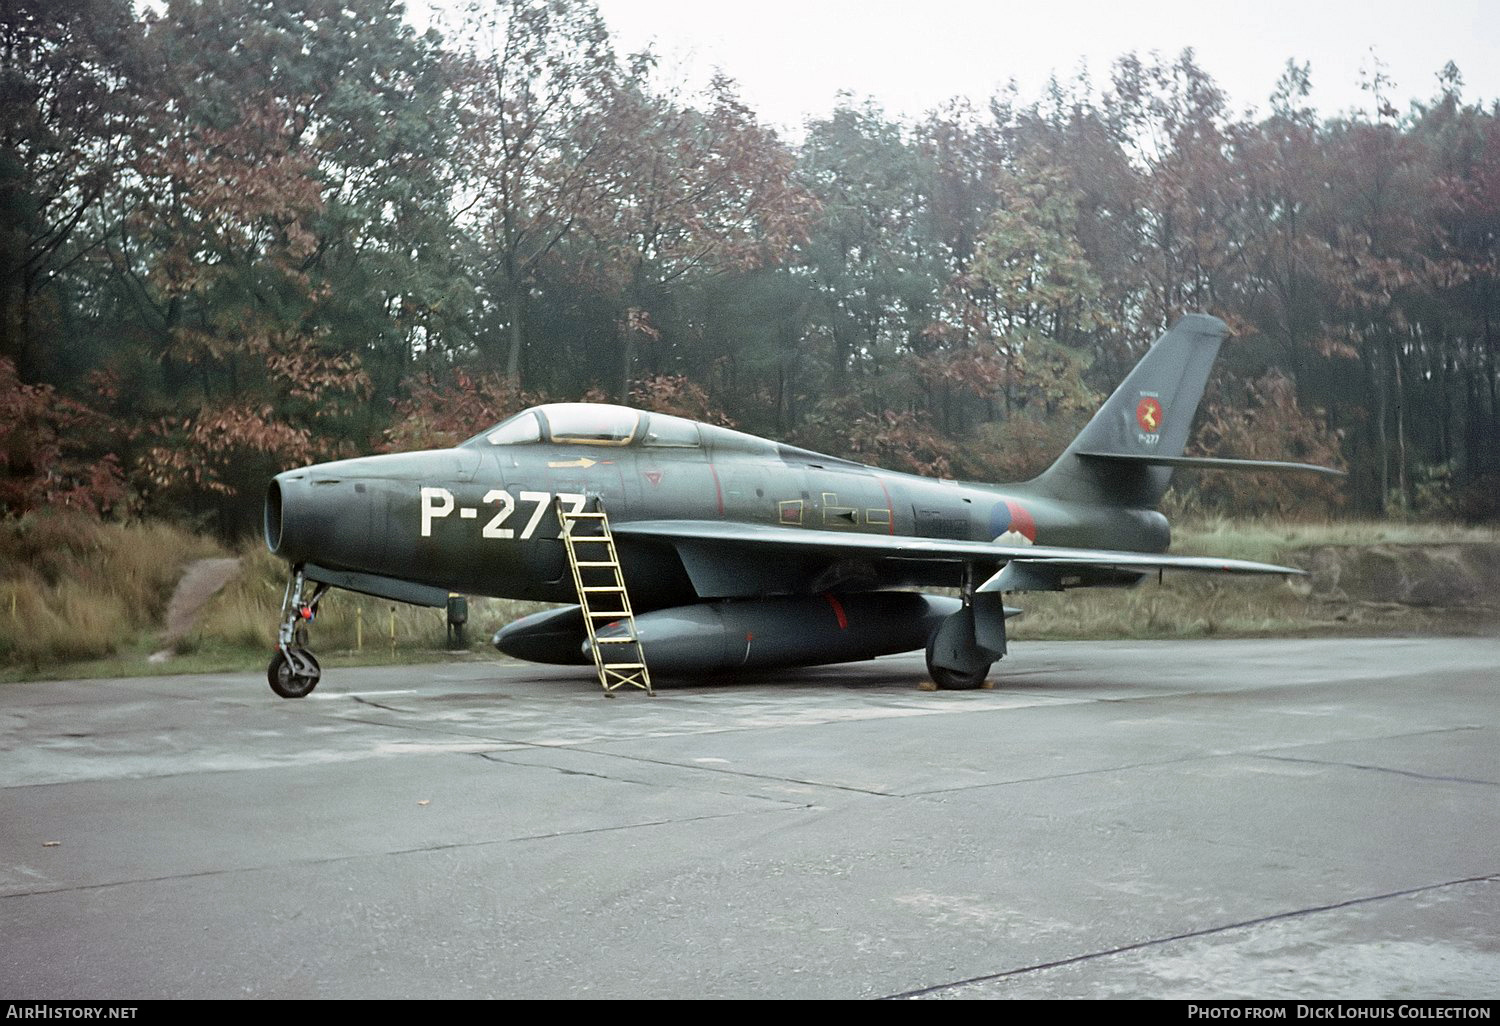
(890, 509)
(718, 491)
(1020, 520)
(838, 610)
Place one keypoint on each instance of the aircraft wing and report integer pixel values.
(714, 551)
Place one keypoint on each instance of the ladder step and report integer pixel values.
(611, 675)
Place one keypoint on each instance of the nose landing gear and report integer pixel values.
(293, 671)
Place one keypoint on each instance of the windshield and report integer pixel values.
(517, 430)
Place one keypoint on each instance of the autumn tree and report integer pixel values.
(1384, 199)
(539, 143)
(871, 253)
(310, 230)
(232, 314)
(1172, 117)
(1266, 421)
(46, 451)
(286, 236)
(1075, 133)
(1040, 294)
(68, 107)
(1458, 350)
(1287, 172)
(699, 192)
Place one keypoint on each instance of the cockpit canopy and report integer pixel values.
(590, 424)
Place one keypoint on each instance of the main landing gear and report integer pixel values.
(953, 680)
(294, 672)
(966, 645)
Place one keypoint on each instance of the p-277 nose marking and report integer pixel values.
(438, 502)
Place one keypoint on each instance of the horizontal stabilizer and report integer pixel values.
(1204, 462)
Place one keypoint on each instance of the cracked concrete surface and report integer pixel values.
(1286, 819)
(969, 988)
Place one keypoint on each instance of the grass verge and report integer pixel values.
(245, 616)
(73, 589)
(81, 599)
(1198, 605)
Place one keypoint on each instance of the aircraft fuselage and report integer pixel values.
(479, 519)
(735, 551)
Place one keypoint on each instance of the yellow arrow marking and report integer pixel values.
(582, 461)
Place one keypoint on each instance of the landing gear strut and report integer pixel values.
(294, 672)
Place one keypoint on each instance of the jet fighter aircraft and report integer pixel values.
(740, 552)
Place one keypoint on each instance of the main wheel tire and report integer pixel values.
(955, 680)
(286, 682)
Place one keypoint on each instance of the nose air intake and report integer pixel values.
(273, 517)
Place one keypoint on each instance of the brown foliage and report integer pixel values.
(700, 190)
(1019, 447)
(224, 449)
(980, 371)
(227, 198)
(43, 437)
(900, 440)
(1268, 424)
(238, 310)
(436, 414)
(676, 394)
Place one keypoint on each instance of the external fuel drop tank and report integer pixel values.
(795, 630)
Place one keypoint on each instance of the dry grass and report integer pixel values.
(1183, 606)
(87, 598)
(72, 588)
(1193, 605)
(1267, 540)
(245, 616)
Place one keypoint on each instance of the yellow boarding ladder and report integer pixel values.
(597, 577)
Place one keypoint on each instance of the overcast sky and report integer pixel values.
(793, 57)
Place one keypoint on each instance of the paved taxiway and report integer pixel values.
(1237, 818)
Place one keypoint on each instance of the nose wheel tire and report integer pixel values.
(293, 681)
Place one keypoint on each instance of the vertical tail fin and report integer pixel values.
(1149, 415)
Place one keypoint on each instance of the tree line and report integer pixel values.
(242, 235)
